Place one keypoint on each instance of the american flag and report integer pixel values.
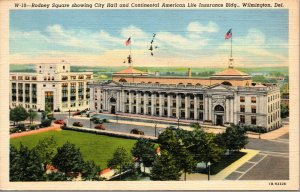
(228, 34)
(128, 42)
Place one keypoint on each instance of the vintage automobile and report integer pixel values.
(77, 124)
(136, 131)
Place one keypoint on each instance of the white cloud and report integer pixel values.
(196, 27)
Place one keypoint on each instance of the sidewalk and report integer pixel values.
(272, 134)
(225, 172)
(41, 130)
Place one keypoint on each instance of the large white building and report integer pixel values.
(52, 85)
(229, 96)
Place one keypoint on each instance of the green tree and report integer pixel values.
(58, 176)
(68, 159)
(235, 138)
(205, 148)
(165, 168)
(90, 171)
(46, 149)
(25, 165)
(284, 110)
(144, 151)
(185, 161)
(32, 115)
(18, 114)
(121, 160)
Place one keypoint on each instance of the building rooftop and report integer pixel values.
(231, 72)
(130, 70)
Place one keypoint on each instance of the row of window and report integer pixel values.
(273, 117)
(273, 97)
(273, 106)
(253, 119)
(27, 106)
(27, 78)
(253, 108)
(242, 99)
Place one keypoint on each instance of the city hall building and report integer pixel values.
(226, 97)
(52, 85)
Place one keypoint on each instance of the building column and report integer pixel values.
(196, 115)
(130, 102)
(145, 103)
(123, 101)
(92, 100)
(152, 104)
(138, 102)
(169, 105)
(160, 105)
(205, 104)
(227, 113)
(186, 102)
(209, 109)
(177, 105)
(232, 111)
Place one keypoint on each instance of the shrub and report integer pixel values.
(100, 126)
(50, 116)
(105, 120)
(21, 127)
(98, 121)
(33, 127)
(13, 130)
(77, 124)
(255, 129)
(45, 123)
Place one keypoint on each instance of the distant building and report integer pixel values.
(229, 96)
(52, 85)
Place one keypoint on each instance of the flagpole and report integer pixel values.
(231, 44)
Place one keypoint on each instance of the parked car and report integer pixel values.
(77, 124)
(136, 131)
(100, 126)
(76, 113)
(59, 121)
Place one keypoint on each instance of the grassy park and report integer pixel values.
(98, 148)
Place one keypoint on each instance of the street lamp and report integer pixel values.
(155, 129)
(208, 166)
(259, 132)
(178, 123)
(91, 120)
(69, 113)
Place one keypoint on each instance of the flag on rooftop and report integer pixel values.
(128, 42)
(228, 34)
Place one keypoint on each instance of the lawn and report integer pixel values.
(98, 148)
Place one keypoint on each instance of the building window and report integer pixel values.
(242, 108)
(44, 85)
(201, 116)
(253, 120)
(13, 78)
(242, 119)
(253, 99)
(253, 109)
(242, 99)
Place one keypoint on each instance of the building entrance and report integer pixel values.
(49, 100)
(219, 120)
(112, 102)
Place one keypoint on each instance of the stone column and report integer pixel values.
(232, 110)
(160, 105)
(169, 105)
(130, 102)
(227, 114)
(205, 104)
(186, 104)
(177, 105)
(152, 104)
(145, 103)
(209, 109)
(123, 101)
(195, 108)
(138, 102)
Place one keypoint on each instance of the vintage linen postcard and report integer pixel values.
(149, 95)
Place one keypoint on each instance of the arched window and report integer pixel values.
(198, 84)
(112, 100)
(226, 83)
(219, 108)
(122, 80)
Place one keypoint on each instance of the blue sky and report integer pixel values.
(184, 37)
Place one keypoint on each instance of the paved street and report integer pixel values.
(272, 163)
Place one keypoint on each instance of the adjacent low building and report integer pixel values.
(52, 85)
(226, 97)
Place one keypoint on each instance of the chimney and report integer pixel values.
(189, 72)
